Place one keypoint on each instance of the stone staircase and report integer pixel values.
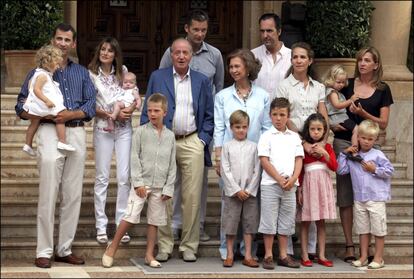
(19, 191)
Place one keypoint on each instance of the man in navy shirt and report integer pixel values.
(56, 168)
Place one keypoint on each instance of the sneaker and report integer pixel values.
(203, 236)
(29, 150)
(126, 238)
(102, 238)
(65, 146)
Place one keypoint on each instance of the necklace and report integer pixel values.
(246, 95)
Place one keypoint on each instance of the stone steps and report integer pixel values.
(9, 118)
(27, 207)
(29, 187)
(27, 168)
(399, 227)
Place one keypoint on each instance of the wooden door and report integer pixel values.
(145, 29)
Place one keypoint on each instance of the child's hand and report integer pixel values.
(351, 149)
(369, 166)
(49, 104)
(354, 97)
(141, 192)
(165, 197)
(282, 181)
(242, 195)
(288, 184)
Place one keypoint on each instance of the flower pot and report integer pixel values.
(321, 66)
(18, 64)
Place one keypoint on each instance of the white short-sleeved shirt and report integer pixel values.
(304, 101)
(282, 148)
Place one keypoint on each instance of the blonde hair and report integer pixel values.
(333, 73)
(47, 55)
(369, 128)
(377, 76)
(238, 116)
(159, 98)
(130, 75)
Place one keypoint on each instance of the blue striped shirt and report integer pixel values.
(76, 86)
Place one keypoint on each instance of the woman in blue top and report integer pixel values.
(242, 95)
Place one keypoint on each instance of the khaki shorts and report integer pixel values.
(370, 217)
(156, 209)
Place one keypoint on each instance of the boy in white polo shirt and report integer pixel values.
(280, 151)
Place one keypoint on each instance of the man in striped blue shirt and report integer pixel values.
(57, 167)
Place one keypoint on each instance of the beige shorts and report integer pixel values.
(156, 209)
(370, 217)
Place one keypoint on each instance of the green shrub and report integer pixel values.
(28, 24)
(337, 28)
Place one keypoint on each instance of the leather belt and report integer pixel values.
(180, 137)
(75, 124)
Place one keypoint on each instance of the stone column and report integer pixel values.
(70, 16)
(390, 34)
(252, 10)
(391, 22)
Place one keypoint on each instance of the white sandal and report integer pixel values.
(102, 238)
(126, 238)
(375, 265)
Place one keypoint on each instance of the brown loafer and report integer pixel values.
(288, 262)
(43, 262)
(268, 263)
(228, 262)
(70, 259)
(250, 263)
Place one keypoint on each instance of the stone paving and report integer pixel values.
(126, 269)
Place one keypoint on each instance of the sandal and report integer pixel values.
(102, 238)
(350, 259)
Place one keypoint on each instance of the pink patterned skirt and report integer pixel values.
(318, 195)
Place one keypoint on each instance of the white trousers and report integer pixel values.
(312, 238)
(104, 144)
(64, 169)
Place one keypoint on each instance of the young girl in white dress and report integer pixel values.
(45, 97)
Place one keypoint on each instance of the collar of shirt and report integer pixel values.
(101, 73)
(176, 75)
(155, 128)
(295, 82)
(202, 48)
(283, 51)
(273, 130)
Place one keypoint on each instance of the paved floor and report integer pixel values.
(125, 269)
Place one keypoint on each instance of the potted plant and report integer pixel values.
(337, 30)
(25, 27)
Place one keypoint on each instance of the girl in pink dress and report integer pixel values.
(315, 194)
